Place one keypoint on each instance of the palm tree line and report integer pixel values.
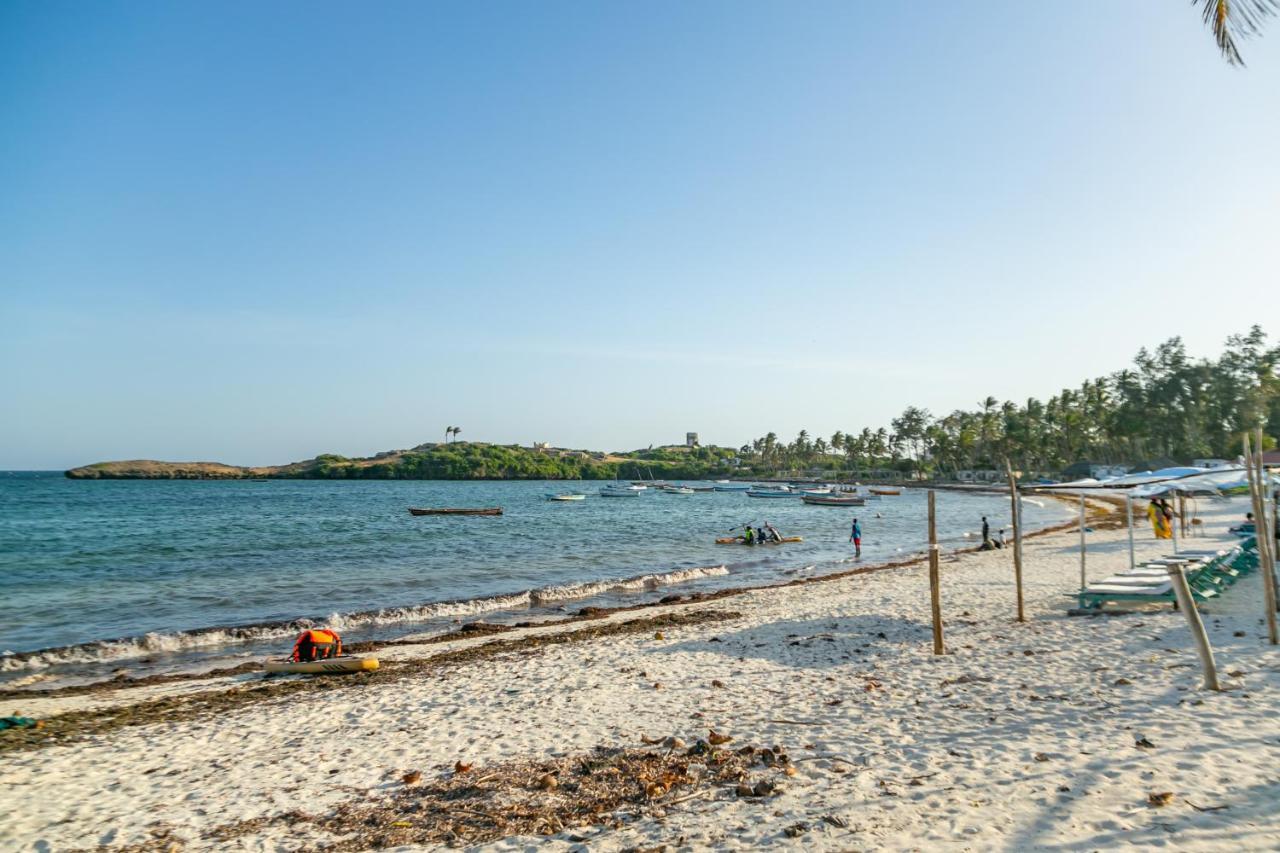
(1166, 407)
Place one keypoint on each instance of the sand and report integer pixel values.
(1023, 737)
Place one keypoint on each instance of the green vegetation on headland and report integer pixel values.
(1167, 409)
(452, 461)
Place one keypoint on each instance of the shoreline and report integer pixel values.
(510, 606)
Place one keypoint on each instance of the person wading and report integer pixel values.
(855, 536)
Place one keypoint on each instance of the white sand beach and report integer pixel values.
(1025, 736)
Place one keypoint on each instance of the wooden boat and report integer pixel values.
(676, 490)
(329, 666)
(726, 486)
(701, 488)
(821, 500)
(885, 491)
(771, 493)
(619, 492)
(567, 496)
(492, 510)
(737, 540)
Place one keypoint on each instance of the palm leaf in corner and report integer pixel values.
(1232, 19)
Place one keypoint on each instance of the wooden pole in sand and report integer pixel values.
(1264, 524)
(1178, 578)
(1128, 508)
(1259, 523)
(1015, 498)
(935, 591)
(1083, 583)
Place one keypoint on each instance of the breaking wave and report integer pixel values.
(129, 648)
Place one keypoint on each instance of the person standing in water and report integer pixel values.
(855, 536)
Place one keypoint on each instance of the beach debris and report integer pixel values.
(673, 742)
(413, 777)
(659, 636)
(1121, 682)
(548, 782)
(657, 685)
(716, 738)
(1141, 742)
(1040, 756)
(1205, 808)
(1239, 634)
(459, 767)
(1159, 799)
(1236, 673)
(796, 829)
(715, 682)
(763, 788)
(649, 741)
(835, 820)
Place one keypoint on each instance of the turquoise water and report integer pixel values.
(111, 572)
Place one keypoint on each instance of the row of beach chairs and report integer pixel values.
(1208, 571)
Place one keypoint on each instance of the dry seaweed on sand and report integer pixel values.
(603, 788)
(62, 728)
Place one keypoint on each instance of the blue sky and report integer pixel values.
(256, 232)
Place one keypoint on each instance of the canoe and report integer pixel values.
(619, 493)
(676, 490)
(493, 510)
(569, 497)
(737, 540)
(731, 487)
(338, 665)
(885, 491)
(769, 493)
(826, 501)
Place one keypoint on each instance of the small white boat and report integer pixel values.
(816, 493)
(567, 496)
(678, 490)
(619, 492)
(771, 493)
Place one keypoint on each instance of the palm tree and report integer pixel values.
(456, 430)
(1230, 19)
(448, 431)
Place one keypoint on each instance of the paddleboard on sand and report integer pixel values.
(340, 664)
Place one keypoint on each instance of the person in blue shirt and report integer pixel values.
(855, 536)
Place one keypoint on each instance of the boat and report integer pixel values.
(819, 500)
(491, 510)
(885, 491)
(329, 666)
(619, 492)
(731, 487)
(816, 493)
(737, 540)
(702, 488)
(677, 490)
(566, 496)
(771, 493)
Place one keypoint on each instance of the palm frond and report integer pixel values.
(1235, 19)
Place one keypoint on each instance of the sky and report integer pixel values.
(252, 233)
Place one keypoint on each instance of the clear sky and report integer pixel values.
(252, 232)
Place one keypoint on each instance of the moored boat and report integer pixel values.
(819, 500)
(619, 492)
(885, 491)
(726, 486)
(491, 510)
(566, 496)
(677, 490)
(770, 493)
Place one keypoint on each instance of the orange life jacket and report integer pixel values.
(317, 644)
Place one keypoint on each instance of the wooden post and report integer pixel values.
(1083, 582)
(1178, 578)
(1128, 507)
(1016, 500)
(935, 592)
(1182, 515)
(1260, 525)
(1265, 523)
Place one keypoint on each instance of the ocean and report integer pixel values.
(155, 575)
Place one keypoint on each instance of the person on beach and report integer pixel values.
(855, 536)
(1159, 525)
(1249, 526)
(987, 543)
